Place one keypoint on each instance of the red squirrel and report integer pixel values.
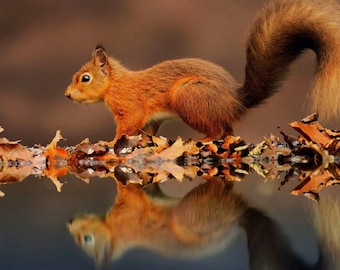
(204, 94)
(200, 224)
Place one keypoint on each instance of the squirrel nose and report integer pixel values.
(68, 95)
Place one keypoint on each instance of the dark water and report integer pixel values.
(34, 218)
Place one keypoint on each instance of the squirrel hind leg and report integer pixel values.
(227, 132)
(207, 107)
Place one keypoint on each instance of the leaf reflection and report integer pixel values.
(311, 158)
(203, 221)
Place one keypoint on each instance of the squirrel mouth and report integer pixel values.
(82, 100)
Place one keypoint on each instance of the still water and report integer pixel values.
(195, 224)
(157, 204)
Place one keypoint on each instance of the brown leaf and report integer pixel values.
(312, 132)
(313, 183)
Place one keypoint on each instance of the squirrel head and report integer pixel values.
(93, 235)
(90, 83)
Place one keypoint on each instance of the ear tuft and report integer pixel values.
(100, 46)
(99, 56)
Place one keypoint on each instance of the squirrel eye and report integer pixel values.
(88, 239)
(85, 77)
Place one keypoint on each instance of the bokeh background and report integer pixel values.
(43, 43)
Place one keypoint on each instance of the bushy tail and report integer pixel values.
(280, 33)
(327, 225)
(269, 247)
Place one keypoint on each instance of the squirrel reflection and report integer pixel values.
(194, 226)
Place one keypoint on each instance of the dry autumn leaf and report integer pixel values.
(144, 159)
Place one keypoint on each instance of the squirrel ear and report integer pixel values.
(99, 56)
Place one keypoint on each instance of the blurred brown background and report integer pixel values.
(43, 43)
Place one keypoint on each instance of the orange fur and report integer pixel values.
(205, 95)
(196, 225)
(199, 224)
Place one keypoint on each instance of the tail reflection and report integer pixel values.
(199, 224)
